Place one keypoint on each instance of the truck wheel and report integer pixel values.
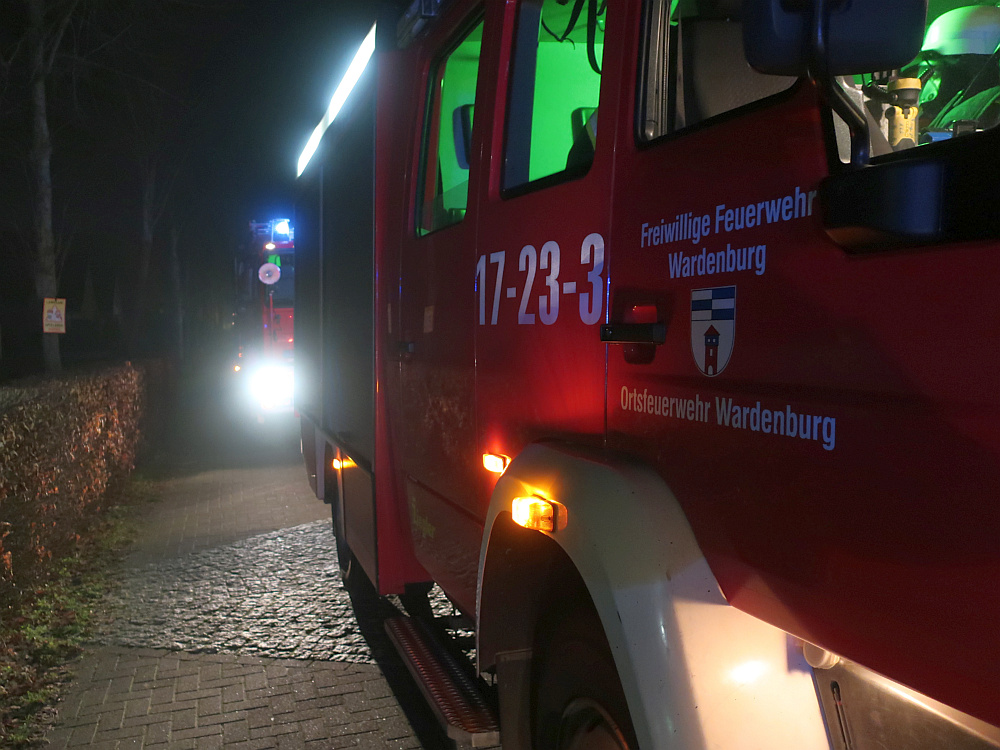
(352, 576)
(578, 701)
(349, 568)
(354, 579)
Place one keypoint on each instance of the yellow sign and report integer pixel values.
(54, 315)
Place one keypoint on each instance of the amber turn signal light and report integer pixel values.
(496, 462)
(538, 513)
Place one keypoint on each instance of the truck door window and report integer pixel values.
(951, 89)
(554, 90)
(444, 166)
(283, 290)
(694, 68)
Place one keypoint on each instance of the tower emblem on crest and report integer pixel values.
(713, 327)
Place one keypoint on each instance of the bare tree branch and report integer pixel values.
(64, 242)
(123, 74)
(56, 37)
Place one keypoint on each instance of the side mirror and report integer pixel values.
(784, 37)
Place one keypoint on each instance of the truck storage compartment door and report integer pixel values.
(336, 307)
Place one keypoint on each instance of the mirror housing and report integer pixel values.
(269, 274)
(779, 37)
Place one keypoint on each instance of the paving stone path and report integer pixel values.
(155, 698)
(276, 594)
(230, 628)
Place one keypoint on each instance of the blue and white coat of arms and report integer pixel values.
(713, 327)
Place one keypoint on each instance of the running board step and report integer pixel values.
(449, 690)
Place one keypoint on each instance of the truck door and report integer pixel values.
(437, 306)
(826, 417)
(543, 231)
(509, 280)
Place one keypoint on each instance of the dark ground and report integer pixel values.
(213, 603)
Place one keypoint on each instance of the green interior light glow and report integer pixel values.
(564, 82)
(555, 89)
(458, 88)
(445, 199)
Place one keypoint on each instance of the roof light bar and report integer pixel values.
(343, 91)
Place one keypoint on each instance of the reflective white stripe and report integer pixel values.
(350, 79)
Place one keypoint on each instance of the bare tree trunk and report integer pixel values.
(40, 159)
(176, 291)
(150, 216)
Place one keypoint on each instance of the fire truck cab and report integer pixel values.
(656, 334)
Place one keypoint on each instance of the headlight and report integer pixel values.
(272, 386)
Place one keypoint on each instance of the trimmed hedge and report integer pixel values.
(63, 443)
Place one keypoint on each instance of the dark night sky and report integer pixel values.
(260, 74)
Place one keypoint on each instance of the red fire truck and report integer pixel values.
(265, 322)
(657, 335)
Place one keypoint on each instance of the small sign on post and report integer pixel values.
(54, 315)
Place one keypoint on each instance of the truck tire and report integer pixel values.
(577, 699)
(352, 577)
(348, 563)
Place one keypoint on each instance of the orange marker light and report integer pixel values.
(538, 513)
(345, 463)
(496, 462)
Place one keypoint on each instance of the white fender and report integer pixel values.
(697, 673)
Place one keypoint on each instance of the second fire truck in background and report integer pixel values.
(265, 318)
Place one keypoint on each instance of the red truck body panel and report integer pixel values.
(869, 527)
(875, 537)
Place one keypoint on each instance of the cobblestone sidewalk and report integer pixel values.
(276, 594)
(230, 628)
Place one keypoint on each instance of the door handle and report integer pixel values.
(634, 333)
(405, 349)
